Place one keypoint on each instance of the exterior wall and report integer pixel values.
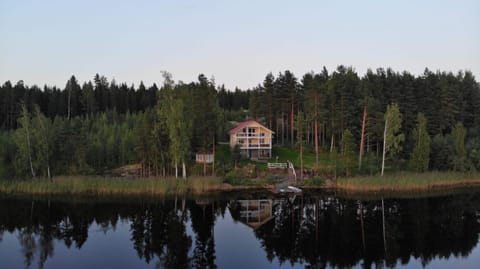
(255, 141)
(204, 158)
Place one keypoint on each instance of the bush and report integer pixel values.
(235, 177)
(316, 181)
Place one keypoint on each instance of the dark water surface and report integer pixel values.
(241, 231)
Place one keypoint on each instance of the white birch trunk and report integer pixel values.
(30, 153)
(184, 171)
(384, 146)
(362, 140)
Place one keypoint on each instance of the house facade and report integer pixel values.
(254, 140)
(253, 213)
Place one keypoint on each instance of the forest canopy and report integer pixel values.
(91, 127)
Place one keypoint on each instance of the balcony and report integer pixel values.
(255, 146)
(249, 135)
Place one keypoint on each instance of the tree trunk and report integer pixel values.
(332, 142)
(213, 153)
(301, 161)
(362, 139)
(384, 146)
(176, 170)
(276, 125)
(316, 132)
(292, 123)
(184, 171)
(30, 153)
(204, 163)
(68, 112)
(283, 129)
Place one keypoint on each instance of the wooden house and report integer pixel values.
(253, 213)
(254, 140)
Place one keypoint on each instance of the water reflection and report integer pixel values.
(315, 231)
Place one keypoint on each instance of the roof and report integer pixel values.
(244, 124)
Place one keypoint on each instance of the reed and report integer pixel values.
(109, 186)
(408, 181)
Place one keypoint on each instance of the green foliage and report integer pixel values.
(394, 137)
(441, 152)
(235, 177)
(300, 126)
(459, 153)
(315, 182)
(348, 151)
(95, 126)
(24, 140)
(178, 124)
(473, 149)
(421, 152)
(7, 151)
(235, 154)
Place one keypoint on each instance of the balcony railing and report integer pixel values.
(251, 145)
(248, 135)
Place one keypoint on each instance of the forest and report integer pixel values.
(407, 122)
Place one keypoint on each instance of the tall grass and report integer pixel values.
(109, 186)
(408, 181)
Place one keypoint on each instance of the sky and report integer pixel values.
(235, 42)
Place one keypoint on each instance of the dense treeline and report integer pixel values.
(447, 105)
(161, 134)
(100, 125)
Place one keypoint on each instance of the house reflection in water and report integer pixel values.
(253, 213)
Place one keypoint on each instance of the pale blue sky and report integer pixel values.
(237, 42)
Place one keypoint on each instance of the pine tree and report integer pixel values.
(459, 153)
(348, 151)
(300, 126)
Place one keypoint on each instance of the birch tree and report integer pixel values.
(392, 138)
(421, 152)
(44, 138)
(23, 141)
(177, 124)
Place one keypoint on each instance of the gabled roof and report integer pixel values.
(244, 124)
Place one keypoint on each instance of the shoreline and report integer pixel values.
(398, 184)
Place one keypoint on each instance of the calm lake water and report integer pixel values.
(241, 230)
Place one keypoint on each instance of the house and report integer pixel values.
(253, 213)
(254, 140)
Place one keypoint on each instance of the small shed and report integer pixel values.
(204, 157)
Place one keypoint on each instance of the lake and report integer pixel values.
(241, 230)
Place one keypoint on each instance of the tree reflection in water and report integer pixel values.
(316, 230)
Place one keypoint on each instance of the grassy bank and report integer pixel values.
(404, 182)
(112, 186)
(408, 182)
